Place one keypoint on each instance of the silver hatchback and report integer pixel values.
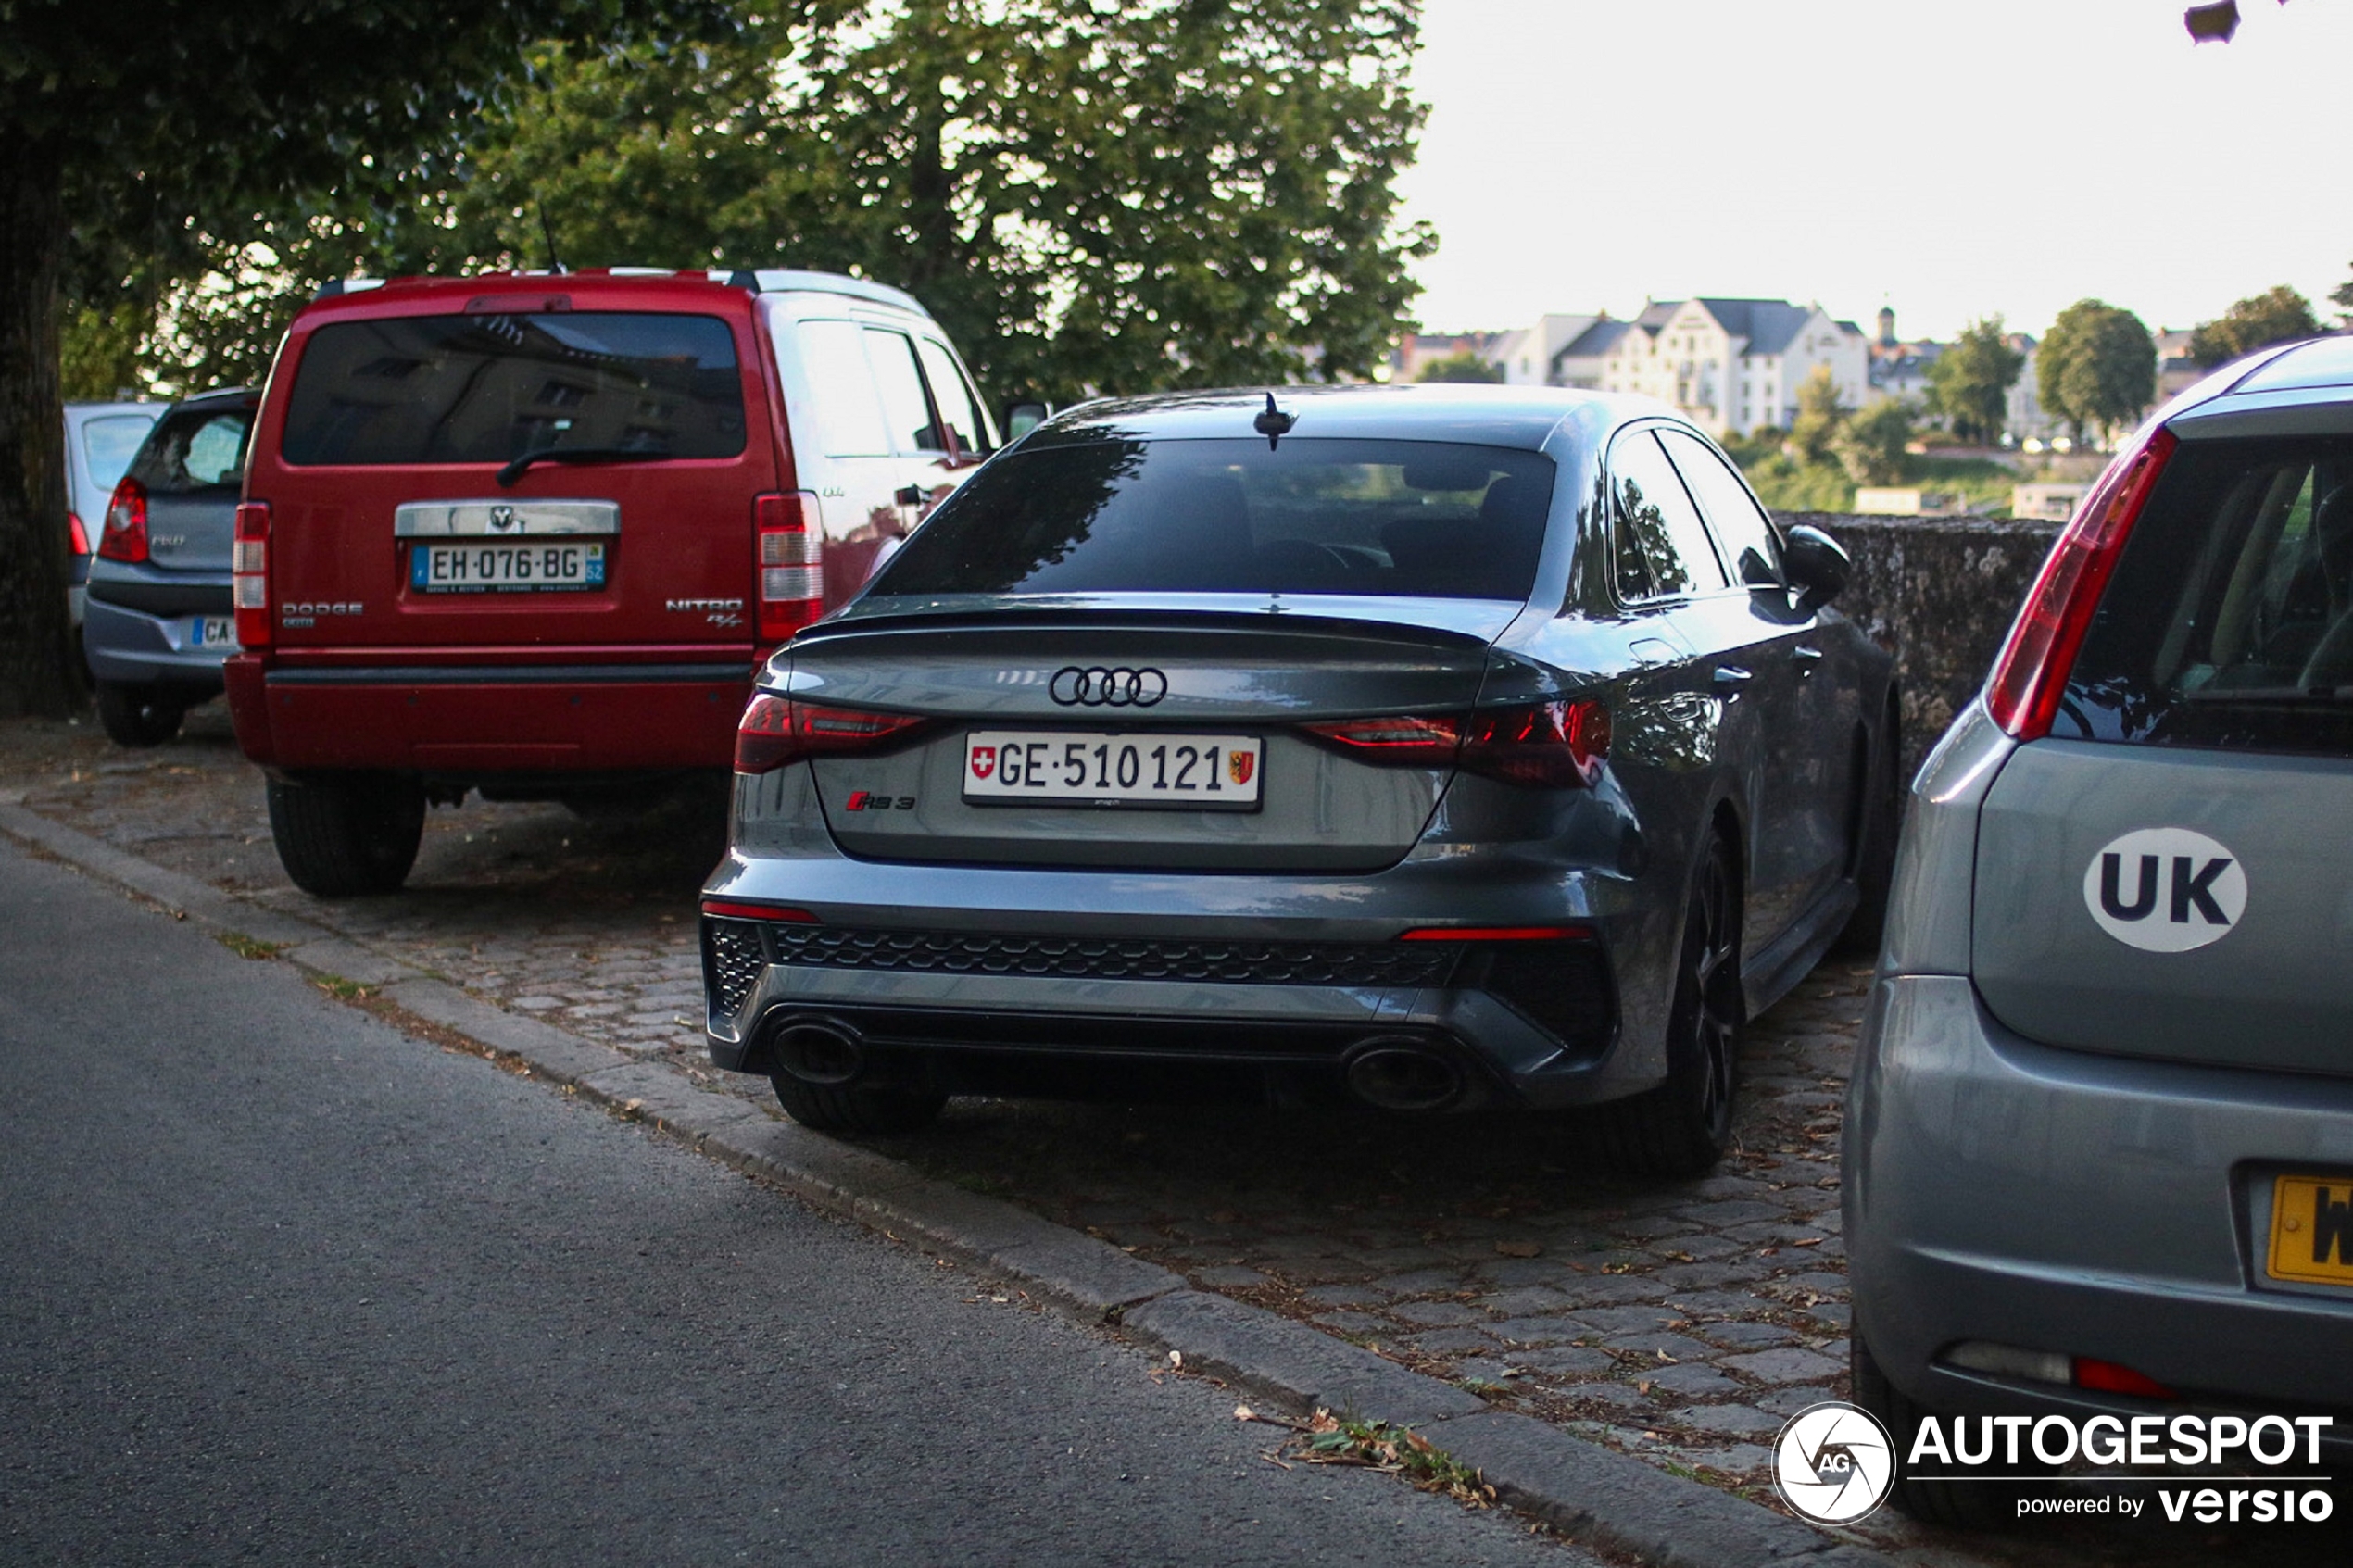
(1436, 747)
(2099, 1146)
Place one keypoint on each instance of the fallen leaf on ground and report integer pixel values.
(1519, 1249)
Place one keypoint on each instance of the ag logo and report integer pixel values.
(1833, 1462)
(2165, 890)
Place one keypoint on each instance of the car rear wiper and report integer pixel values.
(514, 470)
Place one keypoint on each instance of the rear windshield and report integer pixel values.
(486, 389)
(194, 449)
(109, 441)
(2229, 621)
(1116, 514)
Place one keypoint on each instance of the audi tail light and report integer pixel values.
(1544, 744)
(792, 563)
(124, 537)
(77, 535)
(2031, 673)
(249, 579)
(775, 731)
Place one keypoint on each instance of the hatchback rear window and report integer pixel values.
(487, 389)
(1116, 514)
(2229, 621)
(194, 449)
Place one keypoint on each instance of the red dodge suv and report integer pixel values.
(531, 534)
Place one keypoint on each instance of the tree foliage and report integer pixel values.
(2277, 315)
(1970, 383)
(1872, 443)
(1815, 431)
(1462, 366)
(2342, 297)
(140, 130)
(2096, 368)
(1091, 197)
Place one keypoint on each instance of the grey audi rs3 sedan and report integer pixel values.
(1435, 748)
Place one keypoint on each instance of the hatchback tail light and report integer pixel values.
(1548, 745)
(776, 731)
(792, 563)
(2032, 670)
(78, 535)
(124, 538)
(250, 580)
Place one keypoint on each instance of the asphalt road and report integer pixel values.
(279, 1283)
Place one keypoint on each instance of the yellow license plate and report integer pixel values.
(2312, 1230)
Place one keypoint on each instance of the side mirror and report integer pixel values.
(1816, 564)
(1021, 418)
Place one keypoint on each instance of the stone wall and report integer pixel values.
(1942, 592)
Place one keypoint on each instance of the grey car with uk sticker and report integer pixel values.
(2099, 1142)
(1432, 750)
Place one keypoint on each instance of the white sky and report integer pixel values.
(1949, 158)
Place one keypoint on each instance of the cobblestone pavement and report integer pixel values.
(1682, 1322)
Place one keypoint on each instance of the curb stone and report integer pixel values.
(1586, 1492)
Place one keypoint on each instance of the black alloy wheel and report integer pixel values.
(1682, 1128)
(1880, 822)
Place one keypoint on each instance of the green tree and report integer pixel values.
(1464, 366)
(1813, 434)
(2343, 299)
(136, 129)
(1970, 383)
(1091, 197)
(1871, 445)
(2097, 367)
(2278, 315)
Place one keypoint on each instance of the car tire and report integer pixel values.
(1682, 1128)
(137, 715)
(1972, 1504)
(349, 835)
(1882, 821)
(829, 1109)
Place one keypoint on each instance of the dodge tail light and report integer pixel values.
(777, 730)
(124, 538)
(1547, 744)
(2032, 671)
(249, 579)
(792, 563)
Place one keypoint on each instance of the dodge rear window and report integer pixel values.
(2229, 621)
(485, 389)
(1116, 514)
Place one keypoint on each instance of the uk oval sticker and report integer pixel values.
(2165, 890)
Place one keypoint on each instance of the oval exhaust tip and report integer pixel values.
(1403, 1075)
(823, 1052)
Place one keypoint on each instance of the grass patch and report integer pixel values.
(343, 990)
(1377, 1445)
(247, 946)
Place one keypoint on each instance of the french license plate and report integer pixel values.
(505, 567)
(212, 632)
(1199, 772)
(2311, 1230)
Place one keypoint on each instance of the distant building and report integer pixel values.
(1416, 352)
(1728, 365)
(1872, 501)
(2176, 372)
(1527, 354)
(2022, 416)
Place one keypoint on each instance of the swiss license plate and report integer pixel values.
(2311, 1230)
(212, 632)
(506, 567)
(1195, 771)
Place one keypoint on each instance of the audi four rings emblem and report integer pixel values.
(1099, 687)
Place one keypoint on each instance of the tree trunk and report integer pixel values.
(38, 673)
